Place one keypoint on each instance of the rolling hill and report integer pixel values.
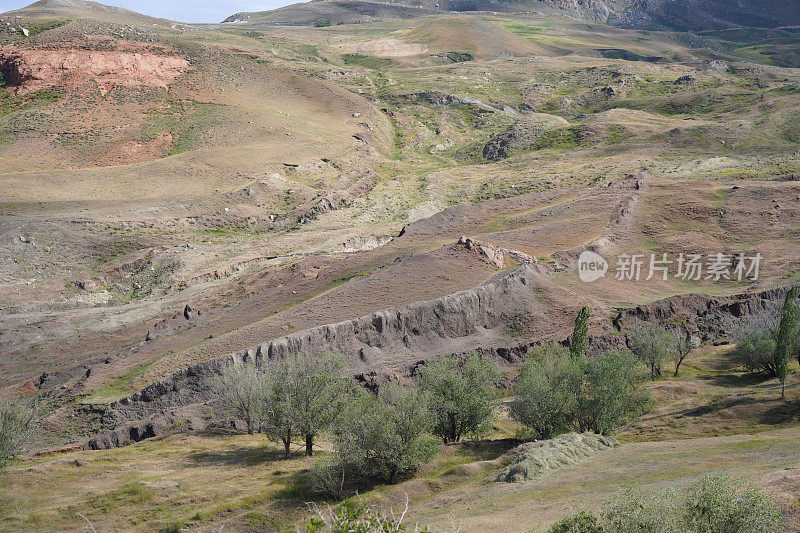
(682, 15)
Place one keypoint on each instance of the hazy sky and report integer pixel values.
(182, 10)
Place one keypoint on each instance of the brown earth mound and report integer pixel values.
(28, 70)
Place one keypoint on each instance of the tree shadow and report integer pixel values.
(785, 412)
(732, 379)
(487, 450)
(236, 456)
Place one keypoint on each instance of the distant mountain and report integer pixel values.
(83, 9)
(686, 15)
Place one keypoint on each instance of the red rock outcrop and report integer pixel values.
(31, 69)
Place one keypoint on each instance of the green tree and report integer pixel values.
(240, 391)
(611, 392)
(545, 390)
(461, 398)
(315, 392)
(581, 333)
(17, 419)
(555, 391)
(376, 438)
(786, 340)
(404, 440)
(276, 412)
(652, 344)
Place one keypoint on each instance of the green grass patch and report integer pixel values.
(459, 57)
(118, 387)
(369, 62)
(10, 103)
(44, 26)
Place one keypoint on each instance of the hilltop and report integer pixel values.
(83, 9)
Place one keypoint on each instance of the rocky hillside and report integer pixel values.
(390, 344)
(684, 15)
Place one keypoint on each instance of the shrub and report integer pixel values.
(16, 428)
(718, 503)
(356, 518)
(545, 391)
(461, 398)
(376, 439)
(637, 509)
(583, 522)
(712, 504)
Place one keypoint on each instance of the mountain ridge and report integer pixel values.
(684, 15)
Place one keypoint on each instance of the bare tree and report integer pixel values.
(652, 344)
(241, 392)
(683, 345)
(16, 427)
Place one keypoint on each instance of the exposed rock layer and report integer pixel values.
(388, 344)
(28, 70)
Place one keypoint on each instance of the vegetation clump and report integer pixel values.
(712, 504)
(556, 392)
(461, 397)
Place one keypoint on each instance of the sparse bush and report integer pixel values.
(545, 390)
(241, 392)
(356, 518)
(652, 344)
(712, 504)
(461, 398)
(718, 503)
(16, 428)
(637, 509)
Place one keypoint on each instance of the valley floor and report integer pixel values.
(207, 481)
